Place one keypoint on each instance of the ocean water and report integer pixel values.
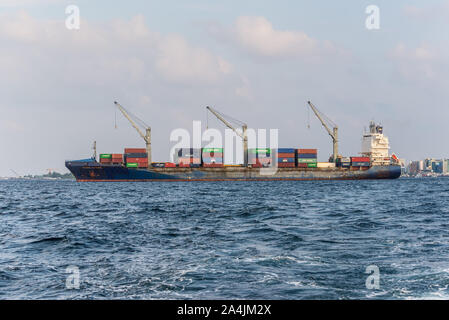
(224, 240)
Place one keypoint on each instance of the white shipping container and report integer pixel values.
(325, 165)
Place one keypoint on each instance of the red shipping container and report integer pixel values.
(360, 159)
(307, 151)
(286, 155)
(137, 160)
(302, 165)
(286, 165)
(184, 165)
(135, 150)
(105, 161)
(170, 165)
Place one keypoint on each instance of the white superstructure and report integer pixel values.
(376, 146)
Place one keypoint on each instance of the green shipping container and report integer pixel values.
(209, 150)
(312, 165)
(260, 150)
(311, 161)
(132, 165)
(106, 156)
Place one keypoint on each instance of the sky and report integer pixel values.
(258, 61)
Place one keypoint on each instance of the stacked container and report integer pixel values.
(345, 162)
(188, 157)
(136, 158)
(117, 158)
(259, 157)
(286, 158)
(105, 158)
(212, 157)
(307, 158)
(360, 161)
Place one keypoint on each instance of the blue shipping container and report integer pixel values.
(361, 164)
(286, 150)
(307, 156)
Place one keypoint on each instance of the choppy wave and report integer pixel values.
(224, 240)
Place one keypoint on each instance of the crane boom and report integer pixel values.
(146, 137)
(333, 133)
(242, 134)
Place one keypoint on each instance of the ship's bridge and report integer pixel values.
(375, 145)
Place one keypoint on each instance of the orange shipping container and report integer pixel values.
(137, 160)
(308, 151)
(286, 155)
(135, 150)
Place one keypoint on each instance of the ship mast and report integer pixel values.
(333, 133)
(242, 134)
(146, 137)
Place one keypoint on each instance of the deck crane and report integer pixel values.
(333, 133)
(242, 134)
(133, 119)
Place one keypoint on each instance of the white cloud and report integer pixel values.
(257, 36)
(416, 63)
(179, 62)
(23, 3)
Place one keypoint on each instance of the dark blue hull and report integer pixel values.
(90, 170)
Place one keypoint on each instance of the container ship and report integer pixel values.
(260, 164)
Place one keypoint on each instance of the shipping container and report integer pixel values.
(303, 151)
(117, 155)
(302, 165)
(135, 150)
(188, 152)
(212, 155)
(158, 165)
(286, 150)
(132, 165)
(286, 165)
(312, 165)
(360, 159)
(307, 156)
(170, 165)
(361, 164)
(325, 165)
(208, 150)
(307, 161)
(136, 155)
(212, 159)
(106, 156)
(286, 160)
(260, 151)
(129, 159)
(286, 155)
